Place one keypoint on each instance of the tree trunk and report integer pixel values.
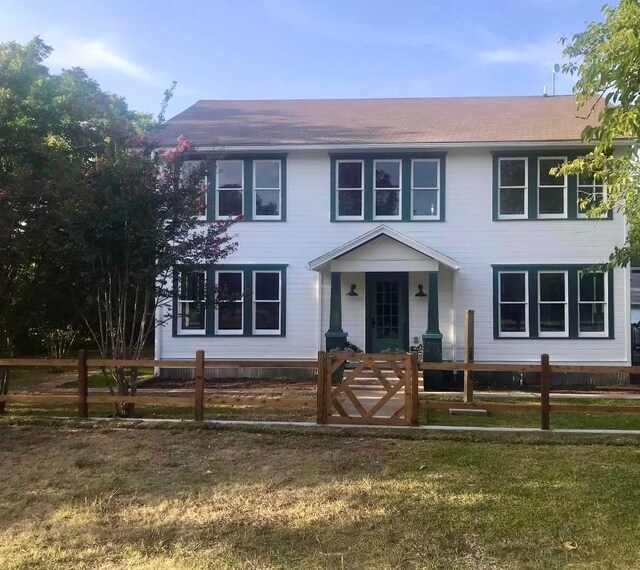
(4, 385)
(127, 386)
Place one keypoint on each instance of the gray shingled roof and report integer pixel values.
(383, 121)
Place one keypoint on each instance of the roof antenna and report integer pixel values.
(556, 69)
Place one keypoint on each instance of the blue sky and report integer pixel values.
(259, 49)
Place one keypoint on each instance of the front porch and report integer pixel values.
(384, 291)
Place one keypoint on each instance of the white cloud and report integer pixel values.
(94, 55)
(542, 54)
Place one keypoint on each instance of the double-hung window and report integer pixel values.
(512, 188)
(267, 302)
(592, 303)
(187, 173)
(394, 186)
(552, 190)
(229, 316)
(513, 306)
(229, 188)
(245, 300)
(553, 316)
(590, 193)
(525, 189)
(192, 305)
(267, 189)
(552, 301)
(350, 189)
(425, 189)
(387, 189)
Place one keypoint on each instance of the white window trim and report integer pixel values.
(398, 216)
(183, 331)
(558, 334)
(218, 216)
(511, 334)
(338, 190)
(266, 332)
(217, 329)
(278, 189)
(435, 216)
(524, 188)
(593, 186)
(564, 213)
(605, 305)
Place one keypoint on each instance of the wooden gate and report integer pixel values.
(376, 389)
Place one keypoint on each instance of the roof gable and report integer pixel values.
(394, 235)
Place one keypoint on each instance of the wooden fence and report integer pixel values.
(199, 398)
(544, 369)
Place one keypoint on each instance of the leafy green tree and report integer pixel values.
(42, 143)
(94, 216)
(606, 60)
(133, 221)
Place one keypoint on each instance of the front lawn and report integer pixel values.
(168, 498)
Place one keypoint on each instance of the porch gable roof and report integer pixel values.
(383, 230)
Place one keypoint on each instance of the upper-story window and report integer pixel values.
(512, 188)
(229, 188)
(591, 193)
(186, 173)
(388, 187)
(552, 190)
(267, 189)
(525, 189)
(253, 188)
(350, 188)
(425, 189)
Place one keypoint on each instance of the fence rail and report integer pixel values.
(326, 366)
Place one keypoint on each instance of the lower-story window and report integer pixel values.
(513, 303)
(266, 302)
(592, 302)
(547, 301)
(192, 306)
(553, 317)
(246, 300)
(229, 308)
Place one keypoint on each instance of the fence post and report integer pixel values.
(468, 354)
(545, 380)
(199, 386)
(83, 384)
(320, 396)
(415, 366)
(327, 387)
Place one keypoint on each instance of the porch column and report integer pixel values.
(335, 336)
(432, 339)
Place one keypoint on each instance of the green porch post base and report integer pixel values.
(432, 352)
(335, 339)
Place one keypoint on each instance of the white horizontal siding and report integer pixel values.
(468, 235)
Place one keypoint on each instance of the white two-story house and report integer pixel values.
(380, 221)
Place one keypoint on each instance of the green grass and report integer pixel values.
(218, 499)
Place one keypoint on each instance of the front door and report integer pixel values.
(387, 319)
